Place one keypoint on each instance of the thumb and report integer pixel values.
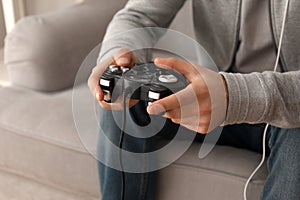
(124, 57)
(155, 109)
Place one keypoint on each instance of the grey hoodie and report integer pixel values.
(253, 98)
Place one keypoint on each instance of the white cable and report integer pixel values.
(281, 35)
(267, 126)
(260, 164)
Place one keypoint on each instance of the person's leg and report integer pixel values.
(245, 136)
(110, 179)
(283, 151)
(283, 181)
(138, 186)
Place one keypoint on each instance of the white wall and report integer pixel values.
(41, 6)
(2, 27)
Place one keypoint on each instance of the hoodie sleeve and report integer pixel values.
(138, 14)
(267, 97)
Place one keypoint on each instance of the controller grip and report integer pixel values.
(139, 114)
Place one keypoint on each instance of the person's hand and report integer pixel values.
(123, 57)
(202, 105)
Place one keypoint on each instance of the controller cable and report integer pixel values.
(122, 135)
(267, 125)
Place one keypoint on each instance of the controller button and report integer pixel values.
(154, 95)
(167, 78)
(125, 69)
(105, 82)
(107, 95)
(113, 68)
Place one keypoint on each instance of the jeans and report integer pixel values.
(283, 150)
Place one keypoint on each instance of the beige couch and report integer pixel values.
(41, 155)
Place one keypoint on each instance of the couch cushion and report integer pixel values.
(14, 187)
(221, 175)
(38, 139)
(44, 52)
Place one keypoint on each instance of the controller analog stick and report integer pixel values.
(168, 78)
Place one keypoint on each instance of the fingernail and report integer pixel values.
(98, 96)
(123, 61)
(156, 59)
(155, 109)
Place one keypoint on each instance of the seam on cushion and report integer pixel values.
(217, 173)
(46, 183)
(22, 132)
(72, 147)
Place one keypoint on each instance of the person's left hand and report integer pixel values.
(202, 105)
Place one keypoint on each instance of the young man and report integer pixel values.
(242, 36)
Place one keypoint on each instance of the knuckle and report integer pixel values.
(205, 124)
(172, 60)
(176, 121)
(174, 115)
(205, 111)
(202, 130)
(123, 52)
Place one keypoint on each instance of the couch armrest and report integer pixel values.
(44, 52)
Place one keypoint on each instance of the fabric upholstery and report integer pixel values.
(44, 52)
(221, 175)
(38, 139)
(14, 187)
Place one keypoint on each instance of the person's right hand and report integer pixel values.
(123, 57)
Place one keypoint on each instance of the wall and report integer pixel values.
(40, 6)
(2, 27)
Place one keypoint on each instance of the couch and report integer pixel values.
(41, 154)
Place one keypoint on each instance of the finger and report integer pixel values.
(93, 81)
(118, 104)
(173, 114)
(183, 112)
(95, 88)
(173, 101)
(201, 126)
(124, 57)
(168, 103)
(186, 69)
(202, 121)
(188, 116)
(99, 96)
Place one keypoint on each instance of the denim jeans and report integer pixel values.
(283, 150)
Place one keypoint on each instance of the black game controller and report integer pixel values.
(144, 82)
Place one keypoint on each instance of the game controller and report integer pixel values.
(145, 82)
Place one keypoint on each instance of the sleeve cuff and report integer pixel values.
(247, 98)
